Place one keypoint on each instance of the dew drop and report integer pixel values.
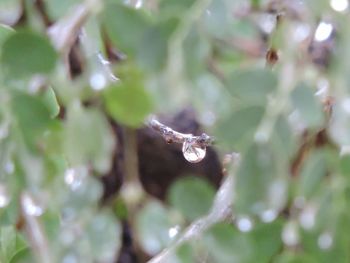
(31, 207)
(173, 231)
(339, 5)
(193, 153)
(4, 197)
(290, 235)
(268, 216)
(307, 217)
(244, 224)
(323, 31)
(325, 241)
(98, 81)
(74, 177)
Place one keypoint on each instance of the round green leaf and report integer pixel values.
(25, 53)
(192, 196)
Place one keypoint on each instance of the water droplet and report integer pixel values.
(268, 216)
(98, 81)
(138, 4)
(74, 177)
(244, 224)
(290, 234)
(193, 153)
(325, 241)
(323, 31)
(173, 231)
(339, 5)
(267, 23)
(4, 196)
(307, 217)
(30, 206)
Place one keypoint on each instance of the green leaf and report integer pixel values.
(125, 26)
(59, 8)
(226, 245)
(192, 196)
(104, 234)
(88, 138)
(259, 185)
(237, 131)
(25, 53)
(312, 173)
(32, 116)
(307, 106)
(340, 123)
(152, 226)
(128, 102)
(11, 243)
(51, 103)
(5, 32)
(152, 53)
(174, 8)
(252, 85)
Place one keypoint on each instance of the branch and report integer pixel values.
(171, 136)
(221, 209)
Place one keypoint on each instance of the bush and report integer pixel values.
(89, 174)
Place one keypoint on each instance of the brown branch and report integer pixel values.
(172, 136)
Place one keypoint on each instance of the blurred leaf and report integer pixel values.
(125, 26)
(345, 165)
(237, 131)
(192, 196)
(307, 106)
(196, 52)
(128, 102)
(104, 234)
(259, 186)
(340, 123)
(25, 53)
(51, 103)
(152, 53)
(226, 244)
(184, 254)
(312, 173)
(10, 243)
(174, 8)
(58, 8)
(252, 85)
(152, 226)
(5, 32)
(88, 138)
(289, 257)
(32, 116)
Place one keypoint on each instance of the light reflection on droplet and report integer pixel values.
(244, 224)
(4, 196)
(98, 81)
(268, 216)
(323, 31)
(173, 231)
(138, 4)
(307, 217)
(193, 153)
(290, 234)
(325, 241)
(74, 177)
(31, 207)
(339, 5)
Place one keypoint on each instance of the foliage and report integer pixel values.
(269, 79)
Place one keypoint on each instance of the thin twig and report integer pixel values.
(172, 136)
